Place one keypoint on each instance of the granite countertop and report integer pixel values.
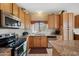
(42, 35)
(66, 47)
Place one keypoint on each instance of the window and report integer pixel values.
(39, 27)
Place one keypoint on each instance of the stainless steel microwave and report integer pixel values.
(9, 21)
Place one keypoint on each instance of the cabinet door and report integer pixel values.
(60, 21)
(65, 26)
(6, 7)
(76, 37)
(27, 22)
(57, 21)
(61, 24)
(77, 21)
(15, 10)
(36, 41)
(44, 41)
(71, 25)
(31, 42)
(51, 21)
(68, 19)
(21, 16)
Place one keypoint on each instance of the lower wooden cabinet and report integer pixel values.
(76, 37)
(44, 41)
(76, 21)
(38, 42)
(30, 42)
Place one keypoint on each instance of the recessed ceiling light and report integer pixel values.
(39, 12)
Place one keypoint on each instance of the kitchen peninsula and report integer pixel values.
(65, 47)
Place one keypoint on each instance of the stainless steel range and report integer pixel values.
(17, 45)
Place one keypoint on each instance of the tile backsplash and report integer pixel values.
(17, 31)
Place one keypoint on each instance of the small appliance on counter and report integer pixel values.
(18, 45)
(25, 33)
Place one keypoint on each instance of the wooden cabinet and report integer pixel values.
(76, 37)
(57, 21)
(53, 21)
(76, 22)
(21, 16)
(31, 42)
(44, 41)
(38, 42)
(18, 12)
(6, 7)
(68, 25)
(15, 10)
(27, 21)
(60, 21)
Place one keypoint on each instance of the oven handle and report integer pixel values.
(19, 46)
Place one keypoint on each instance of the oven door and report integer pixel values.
(21, 50)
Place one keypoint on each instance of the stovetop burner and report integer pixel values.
(10, 41)
(16, 43)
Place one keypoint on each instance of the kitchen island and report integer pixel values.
(65, 47)
(39, 40)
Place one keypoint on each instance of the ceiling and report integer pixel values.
(50, 7)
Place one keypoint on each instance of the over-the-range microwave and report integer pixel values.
(9, 21)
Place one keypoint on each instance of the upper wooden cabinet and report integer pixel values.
(15, 10)
(60, 21)
(21, 15)
(57, 21)
(53, 21)
(76, 22)
(27, 21)
(6, 7)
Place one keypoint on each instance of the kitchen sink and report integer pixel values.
(38, 34)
